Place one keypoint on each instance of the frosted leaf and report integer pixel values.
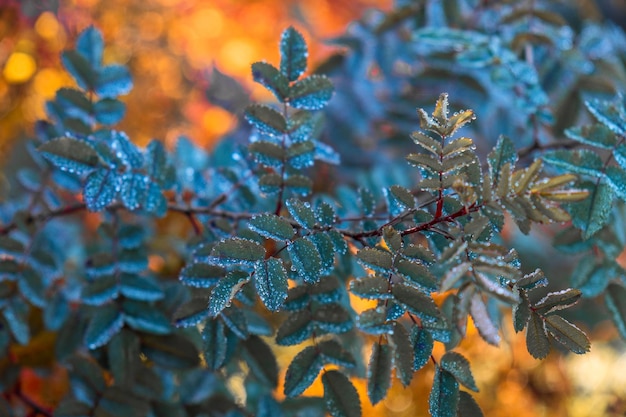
(113, 81)
(305, 259)
(325, 214)
(326, 290)
(301, 212)
(311, 93)
(301, 154)
(453, 275)
(596, 134)
(71, 155)
(293, 54)
(459, 367)
(444, 395)
(372, 287)
(100, 291)
(567, 334)
(504, 153)
(100, 189)
(133, 189)
(191, 313)
(295, 329)
(422, 346)
(558, 300)
(591, 214)
(416, 302)
(268, 153)
(236, 251)
(375, 259)
(486, 328)
(140, 288)
(302, 371)
(225, 291)
(379, 372)
(332, 352)
(271, 226)
(537, 341)
(342, 399)
(374, 321)
(215, 344)
(417, 274)
(266, 119)
(340, 244)
(326, 154)
(326, 250)
(521, 312)
(503, 292)
(403, 354)
(610, 113)
(533, 280)
(298, 184)
(103, 326)
(270, 280)
(332, 318)
(201, 275)
(578, 161)
(271, 78)
(297, 298)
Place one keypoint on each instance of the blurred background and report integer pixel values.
(176, 51)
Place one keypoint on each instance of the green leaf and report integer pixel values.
(215, 344)
(591, 214)
(306, 259)
(459, 367)
(615, 299)
(417, 274)
(578, 161)
(422, 346)
(431, 145)
(453, 275)
(503, 153)
(145, 317)
(261, 360)
(80, 68)
(123, 354)
(558, 301)
(594, 135)
(425, 161)
(71, 155)
(266, 119)
(403, 354)
(268, 153)
(311, 93)
(201, 275)
(416, 302)
(494, 288)
(173, 351)
(301, 212)
(567, 334)
(271, 226)
(468, 406)
(295, 329)
(340, 396)
(444, 396)
(140, 288)
(533, 280)
(235, 251)
(392, 238)
(375, 259)
(302, 371)
(379, 373)
(371, 287)
(403, 195)
(224, 292)
(332, 318)
(103, 326)
(270, 279)
(293, 54)
(272, 79)
(537, 341)
(332, 352)
(521, 313)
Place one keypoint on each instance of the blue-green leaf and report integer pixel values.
(293, 54)
(376, 259)
(90, 45)
(100, 189)
(103, 326)
(340, 396)
(261, 360)
(578, 161)
(595, 135)
(295, 329)
(379, 372)
(610, 113)
(404, 356)
(371, 287)
(145, 318)
(271, 226)
(173, 351)
(70, 155)
(333, 352)
(236, 251)
(215, 345)
(301, 212)
(326, 250)
(422, 346)
(615, 299)
(416, 302)
(109, 111)
(468, 406)
(444, 396)
(16, 316)
(101, 291)
(270, 279)
(192, 312)
(591, 214)
(113, 81)
(272, 79)
(201, 275)
(80, 68)
(305, 259)
(302, 371)
(266, 119)
(567, 334)
(225, 290)
(140, 288)
(537, 341)
(311, 93)
(417, 274)
(503, 153)
(459, 367)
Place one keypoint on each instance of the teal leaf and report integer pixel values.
(444, 396)
(532, 280)
(325, 248)
(578, 161)
(56, 311)
(103, 326)
(594, 135)
(236, 321)
(557, 301)
(260, 358)
(616, 178)
(100, 189)
(113, 81)
(70, 155)
(301, 212)
(403, 354)
(225, 290)
(305, 259)
(567, 334)
(123, 354)
(609, 113)
(271, 226)
(537, 341)
(417, 274)
(31, 286)
(416, 302)
(109, 111)
(392, 238)
(372, 287)
(503, 153)
(374, 321)
(422, 346)
(301, 154)
(302, 371)
(376, 259)
(340, 396)
(468, 406)
(459, 367)
(293, 54)
(201, 275)
(80, 69)
(140, 288)
(615, 299)
(379, 372)
(271, 78)
(215, 345)
(332, 352)
(591, 214)
(173, 351)
(145, 317)
(268, 153)
(299, 184)
(91, 46)
(332, 318)
(295, 329)
(266, 119)
(117, 401)
(521, 313)
(101, 291)
(16, 316)
(270, 280)
(269, 407)
(311, 93)
(236, 251)
(192, 312)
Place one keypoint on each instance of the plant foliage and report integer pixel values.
(276, 247)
